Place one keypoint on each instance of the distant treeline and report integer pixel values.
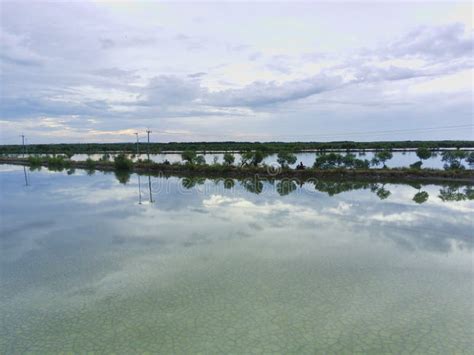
(270, 147)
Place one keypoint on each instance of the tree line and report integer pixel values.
(267, 147)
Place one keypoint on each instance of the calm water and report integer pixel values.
(213, 267)
(400, 159)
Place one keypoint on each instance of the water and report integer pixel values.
(213, 267)
(399, 160)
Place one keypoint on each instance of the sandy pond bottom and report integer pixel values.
(84, 267)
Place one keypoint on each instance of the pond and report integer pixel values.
(400, 158)
(89, 264)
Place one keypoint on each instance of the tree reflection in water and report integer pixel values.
(456, 193)
(421, 197)
(448, 192)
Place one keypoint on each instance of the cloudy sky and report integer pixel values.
(101, 70)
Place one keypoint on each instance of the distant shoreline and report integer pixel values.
(208, 152)
(183, 170)
(234, 147)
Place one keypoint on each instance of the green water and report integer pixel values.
(207, 269)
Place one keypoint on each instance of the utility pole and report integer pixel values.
(148, 145)
(149, 188)
(139, 190)
(136, 133)
(26, 176)
(23, 143)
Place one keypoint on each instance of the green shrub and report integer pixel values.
(382, 157)
(229, 158)
(35, 161)
(57, 162)
(121, 162)
(416, 165)
(328, 161)
(423, 153)
(285, 158)
(453, 159)
(200, 160)
(90, 164)
(189, 156)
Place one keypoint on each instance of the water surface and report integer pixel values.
(400, 158)
(90, 264)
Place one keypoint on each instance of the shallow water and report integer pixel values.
(399, 160)
(213, 267)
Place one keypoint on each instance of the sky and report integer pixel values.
(99, 71)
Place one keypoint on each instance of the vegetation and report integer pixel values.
(470, 160)
(455, 193)
(416, 165)
(123, 176)
(122, 163)
(267, 147)
(105, 157)
(336, 160)
(286, 158)
(189, 156)
(253, 185)
(253, 158)
(285, 187)
(200, 160)
(90, 164)
(381, 157)
(35, 161)
(453, 159)
(229, 158)
(326, 165)
(380, 190)
(423, 153)
(190, 182)
(421, 197)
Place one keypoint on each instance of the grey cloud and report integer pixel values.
(107, 43)
(115, 72)
(280, 63)
(15, 49)
(171, 90)
(197, 75)
(267, 93)
(447, 41)
(368, 74)
(47, 65)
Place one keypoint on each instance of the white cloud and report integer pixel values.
(290, 68)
